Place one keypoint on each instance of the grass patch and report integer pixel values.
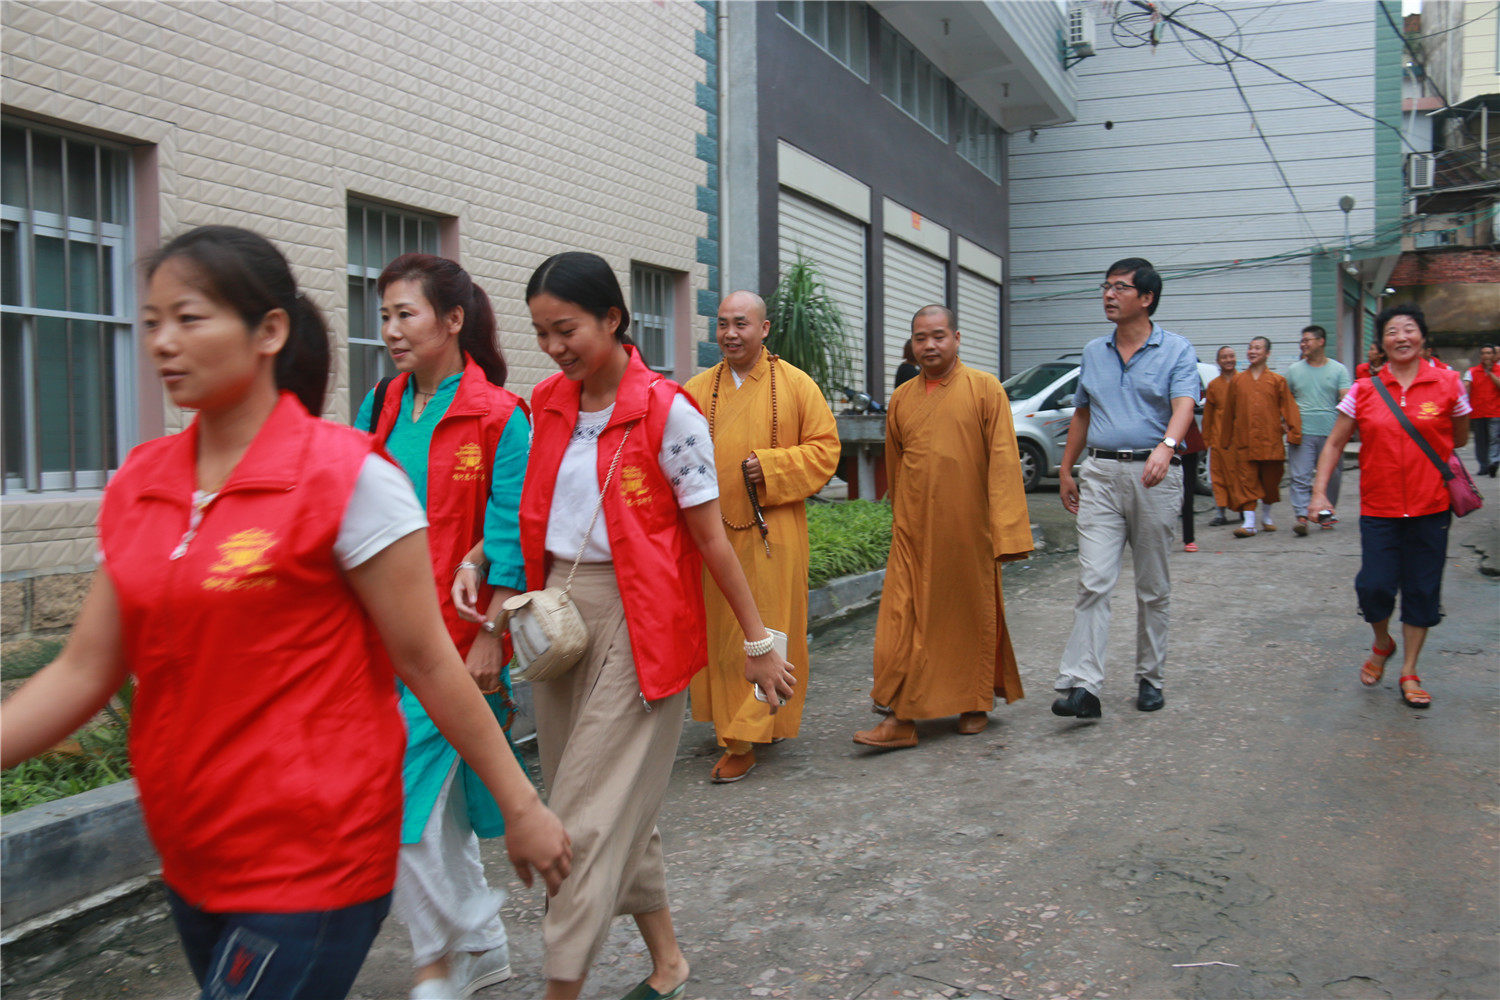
(851, 536)
(29, 657)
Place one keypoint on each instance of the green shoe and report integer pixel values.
(644, 991)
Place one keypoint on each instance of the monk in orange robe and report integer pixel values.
(1222, 467)
(770, 421)
(959, 511)
(1258, 411)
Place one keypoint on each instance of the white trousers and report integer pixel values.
(1115, 509)
(441, 895)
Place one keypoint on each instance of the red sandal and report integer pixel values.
(1370, 674)
(1416, 697)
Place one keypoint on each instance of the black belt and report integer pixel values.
(1127, 456)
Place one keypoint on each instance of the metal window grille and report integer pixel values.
(651, 316)
(979, 138)
(838, 27)
(911, 81)
(65, 309)
(378, 234)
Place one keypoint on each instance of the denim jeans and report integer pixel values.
(1402, 555)
(1302, 464)
(312, 955)
(1486, 442)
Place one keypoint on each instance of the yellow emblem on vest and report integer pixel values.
(468, 461)
(633, 486)
(1429, 410)
(242, 562)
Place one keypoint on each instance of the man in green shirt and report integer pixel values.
(1317, 383)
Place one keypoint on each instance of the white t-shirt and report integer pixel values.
(686, 459)
(382, 509)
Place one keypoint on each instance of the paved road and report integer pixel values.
(1304, 836)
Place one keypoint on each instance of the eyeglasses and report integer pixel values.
(1119, 286)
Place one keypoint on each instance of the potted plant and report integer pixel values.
(807, 328)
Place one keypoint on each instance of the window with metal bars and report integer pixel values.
(65, 308)
(979, 138)
(653, 305)
(378, 234)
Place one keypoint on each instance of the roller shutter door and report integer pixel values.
(836, 244)
(913, 279)
(979, 322)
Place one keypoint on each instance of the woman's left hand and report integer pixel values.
(465, 594)
(484, 661)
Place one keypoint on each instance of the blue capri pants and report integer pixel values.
(1405, 555)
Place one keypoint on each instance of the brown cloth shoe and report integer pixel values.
(732, 767)
(972, 723)
(891, 734)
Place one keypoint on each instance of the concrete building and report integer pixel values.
(872, 139)
(346, 132)
(1227, 176)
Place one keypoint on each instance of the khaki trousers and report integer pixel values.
(607, 758)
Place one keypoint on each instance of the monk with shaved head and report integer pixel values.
(775, 445)
(959, 512)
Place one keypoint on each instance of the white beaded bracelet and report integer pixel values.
(759, 647)
(468, 565)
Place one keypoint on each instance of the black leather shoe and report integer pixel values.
(1149, 699)
(1077, 703)
(1217, 520)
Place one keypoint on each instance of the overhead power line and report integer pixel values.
(1281, 172)
(1411, 51)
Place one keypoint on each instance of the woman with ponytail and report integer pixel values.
(253, 578)
(462, 440)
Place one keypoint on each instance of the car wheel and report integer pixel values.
(1033, 465)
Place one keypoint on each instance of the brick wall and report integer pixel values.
(1445, 267)
(540, 127)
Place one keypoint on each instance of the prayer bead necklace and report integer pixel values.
(758, 517)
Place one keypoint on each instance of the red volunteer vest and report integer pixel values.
(459, 469)
(657, 566)
(1395, 478)
(1483, 396)
(265, 737)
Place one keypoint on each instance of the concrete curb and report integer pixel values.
(65, 856)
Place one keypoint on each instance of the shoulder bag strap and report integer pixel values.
(1406, 425)
(379, 402)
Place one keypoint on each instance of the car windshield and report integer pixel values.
(1033, 380)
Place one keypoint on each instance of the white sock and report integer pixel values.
(1249, 519)
(1265, 513)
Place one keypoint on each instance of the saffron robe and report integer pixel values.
(959, 511)
(806, 453)
(1223, 467)
(1254, 411)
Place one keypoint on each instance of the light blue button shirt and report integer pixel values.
(1130, 404)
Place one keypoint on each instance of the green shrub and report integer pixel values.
(26, 658)
(93, 759)
(851, 536)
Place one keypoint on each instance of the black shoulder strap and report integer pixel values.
(379, 407)
(1416, 435)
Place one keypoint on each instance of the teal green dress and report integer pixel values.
(429, 757)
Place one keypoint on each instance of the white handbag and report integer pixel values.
(546, 629)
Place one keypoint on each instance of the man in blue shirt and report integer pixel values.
(1134, 404)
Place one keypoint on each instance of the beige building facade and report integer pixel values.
(494, 133)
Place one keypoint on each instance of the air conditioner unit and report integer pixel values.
(1081, 32)
(1420, 170)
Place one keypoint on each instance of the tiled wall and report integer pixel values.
(539, 126)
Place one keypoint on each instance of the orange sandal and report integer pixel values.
(1416, 697)
(1370, 674)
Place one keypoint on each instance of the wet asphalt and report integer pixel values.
(1277, 830)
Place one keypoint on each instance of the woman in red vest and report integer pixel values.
(1404, 506)
(462, 439)
(610, 434)
(255, 581)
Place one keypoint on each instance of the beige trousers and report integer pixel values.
(606, 759)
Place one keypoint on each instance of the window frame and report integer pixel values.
(929, 90)
(855, 54)
(366, 275)
(116, 329)
(974, 125)
(646, 280)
